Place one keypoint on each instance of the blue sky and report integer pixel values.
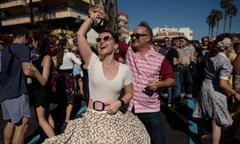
(176, 13)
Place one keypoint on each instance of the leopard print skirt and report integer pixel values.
(102, 128)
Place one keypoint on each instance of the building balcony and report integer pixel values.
(13, 3)
(44, 16)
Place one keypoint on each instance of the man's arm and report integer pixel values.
(167, 78)
(167, 75)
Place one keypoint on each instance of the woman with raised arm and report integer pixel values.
(110, 88)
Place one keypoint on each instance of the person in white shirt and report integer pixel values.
(65, 82)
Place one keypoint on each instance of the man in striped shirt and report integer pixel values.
(151, 72)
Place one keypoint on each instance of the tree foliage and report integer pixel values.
(215, 16)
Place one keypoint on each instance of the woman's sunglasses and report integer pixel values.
(106, 38)
(137, 35)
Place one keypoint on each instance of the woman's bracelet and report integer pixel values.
(122, 102)
(91, 18)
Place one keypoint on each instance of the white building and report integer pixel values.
(161, 32)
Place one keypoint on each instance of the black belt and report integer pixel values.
(65, 71)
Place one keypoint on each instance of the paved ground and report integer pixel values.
(179, 127)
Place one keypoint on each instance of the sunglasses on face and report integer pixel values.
(106, 38)
(137, 35)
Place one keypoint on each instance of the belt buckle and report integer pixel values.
(98, 106)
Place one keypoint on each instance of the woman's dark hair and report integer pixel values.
(43, 44)
(60, 51)
(214, 47)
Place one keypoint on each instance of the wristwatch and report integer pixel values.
(122, 102)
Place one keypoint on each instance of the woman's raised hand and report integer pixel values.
(99, 11)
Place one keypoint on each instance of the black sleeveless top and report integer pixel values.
(41, 93)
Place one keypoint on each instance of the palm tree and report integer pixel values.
(211, 23)
(217, 16)
(208, 21)
(232, 12)
(226, 5)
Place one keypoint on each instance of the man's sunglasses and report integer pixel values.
(106, 38)
(137, 35)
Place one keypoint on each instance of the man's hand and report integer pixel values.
(237, 96)
(152, 85)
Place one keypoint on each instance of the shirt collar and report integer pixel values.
(222, 54)
(150, 52)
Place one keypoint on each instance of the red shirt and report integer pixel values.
(120, 56)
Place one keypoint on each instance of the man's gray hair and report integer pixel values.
(146, 25)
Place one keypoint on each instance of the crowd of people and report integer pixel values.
(206, 73)
(124, 83)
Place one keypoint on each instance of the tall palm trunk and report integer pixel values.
(230, 23)
(217, 28)
(212, 28)
(225, 19)
(209, 31)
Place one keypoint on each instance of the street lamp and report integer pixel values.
(31, 14)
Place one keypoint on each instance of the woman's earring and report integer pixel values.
(116, 51)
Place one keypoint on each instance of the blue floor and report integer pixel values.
(36, 138)
(192, 125)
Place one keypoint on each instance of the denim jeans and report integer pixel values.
(153, 124)
(186, 80)
(175, 91)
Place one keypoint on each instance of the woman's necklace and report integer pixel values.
(112, 65)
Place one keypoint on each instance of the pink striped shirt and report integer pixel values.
(151, 66)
